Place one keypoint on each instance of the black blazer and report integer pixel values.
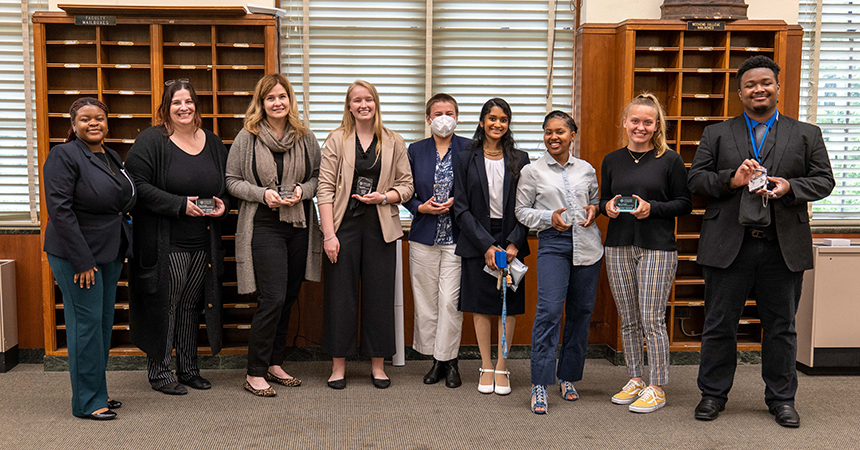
(422, 160)
(472, 207)
(86, 206)
(793, 150)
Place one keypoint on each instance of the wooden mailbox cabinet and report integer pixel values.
(222, 51)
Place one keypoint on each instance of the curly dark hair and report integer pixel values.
(756, 62)
(507, 140)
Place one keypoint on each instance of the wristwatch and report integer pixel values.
(384, 198)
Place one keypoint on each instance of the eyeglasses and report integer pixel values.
(178, 80)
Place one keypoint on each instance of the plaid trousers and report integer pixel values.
(641, 280)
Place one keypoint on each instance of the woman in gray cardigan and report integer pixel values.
(273, 169)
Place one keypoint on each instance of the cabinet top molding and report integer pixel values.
(131, 10)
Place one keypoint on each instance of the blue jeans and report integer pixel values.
(560, 280)
(89, 322)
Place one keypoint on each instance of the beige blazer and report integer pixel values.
(337, 169)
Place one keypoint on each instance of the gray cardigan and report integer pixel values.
(242, 185)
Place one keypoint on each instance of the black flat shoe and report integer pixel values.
(196, 382)
(337, 384)
(452, 374)
(380, 383)
(786, 416)
(172, 389)
(114, 404)
(107, 415)
(437, 371)
(708, 409)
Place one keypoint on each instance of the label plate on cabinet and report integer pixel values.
(706, 25)
(96, 20)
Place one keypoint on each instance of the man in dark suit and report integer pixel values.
(766, 256)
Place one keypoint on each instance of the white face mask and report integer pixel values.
(443, 126)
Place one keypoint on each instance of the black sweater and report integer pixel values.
(149, 162)
(660, 181)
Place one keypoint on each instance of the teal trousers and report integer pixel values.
(89, 321)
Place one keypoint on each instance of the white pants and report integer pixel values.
(435, 275)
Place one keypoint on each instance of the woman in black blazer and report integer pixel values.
(88, 194)
(485, 191)
(178, 262)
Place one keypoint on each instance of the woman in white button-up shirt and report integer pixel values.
(558, 196)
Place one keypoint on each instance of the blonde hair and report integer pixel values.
(256, 113)
(658, 139)
(348, 122)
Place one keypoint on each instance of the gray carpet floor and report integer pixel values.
(35, 413)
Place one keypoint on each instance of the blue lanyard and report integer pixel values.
(769, 124)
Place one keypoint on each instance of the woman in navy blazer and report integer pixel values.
(485, 191)
(88, 194)
(434, 268)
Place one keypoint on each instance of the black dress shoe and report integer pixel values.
(337, 384)
(197, 382)
(380, 383)
(437, 371)
(114, 404)
(107, 415)
(452, 374)
(786, 416)
(172, 389)
(708, 409)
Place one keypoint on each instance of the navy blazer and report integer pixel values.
(86, 206)
(422, 160)
(793, 150)
(472, 207)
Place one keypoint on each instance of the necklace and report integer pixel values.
(635, 159)
(106, 162)
(492, 154)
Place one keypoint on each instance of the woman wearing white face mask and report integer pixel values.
(435, 269)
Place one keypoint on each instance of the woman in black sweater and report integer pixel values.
(641, 255)
(178, 254)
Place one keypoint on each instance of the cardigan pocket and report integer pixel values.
(147, 279)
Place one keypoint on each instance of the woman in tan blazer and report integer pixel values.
(364, 175)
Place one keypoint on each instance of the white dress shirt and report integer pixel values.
(545, 186)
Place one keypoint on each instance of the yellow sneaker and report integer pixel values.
(651, 400)
(632, 390)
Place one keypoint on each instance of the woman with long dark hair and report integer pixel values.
(485, 188)
(273, 169)
(176, 273)
(88, 194)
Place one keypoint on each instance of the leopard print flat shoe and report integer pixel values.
(288, 382)
(268, 392)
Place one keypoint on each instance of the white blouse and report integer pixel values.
(496, 183)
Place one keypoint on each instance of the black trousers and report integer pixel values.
(760, 270)
(366, 264)
(280, 254)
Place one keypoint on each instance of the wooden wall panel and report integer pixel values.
(26, 250)
(599, 133)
